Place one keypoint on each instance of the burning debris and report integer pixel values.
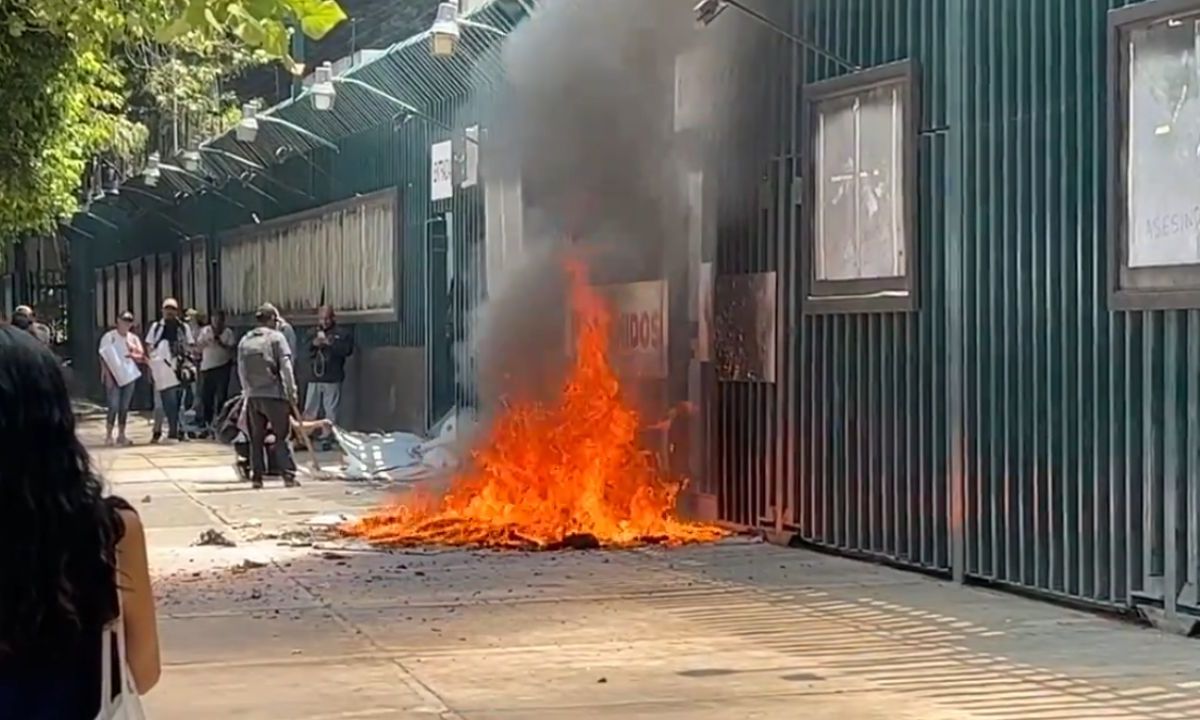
(558, 474)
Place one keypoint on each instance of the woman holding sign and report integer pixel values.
(121, 356)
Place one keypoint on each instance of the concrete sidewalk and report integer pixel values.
(737, 630)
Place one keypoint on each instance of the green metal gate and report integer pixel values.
(1014, 428)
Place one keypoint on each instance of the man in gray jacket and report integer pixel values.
(264, 361)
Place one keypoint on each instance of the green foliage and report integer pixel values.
(182, 85)
(64, 106)
(72, 68)
(263, 24)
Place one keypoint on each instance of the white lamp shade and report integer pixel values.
(191, 161)
(323, 92)
(323, 96)
(444, 45)
(151, 173)
(247, 130)
(445, 31)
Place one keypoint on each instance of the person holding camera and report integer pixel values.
(328, 350)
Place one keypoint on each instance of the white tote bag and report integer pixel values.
(114, 705)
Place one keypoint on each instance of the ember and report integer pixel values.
(550, 474)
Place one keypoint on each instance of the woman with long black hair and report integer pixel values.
(72, 562)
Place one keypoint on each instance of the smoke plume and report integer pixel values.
(587, 125)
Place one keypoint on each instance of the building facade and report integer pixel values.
(988, 339)
(939, 304)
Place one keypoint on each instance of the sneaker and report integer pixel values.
(291, 482)
(156, 438)
(124, 441)
(108, 441)
(256, 483)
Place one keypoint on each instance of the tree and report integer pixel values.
(262, 24)
(72, 65)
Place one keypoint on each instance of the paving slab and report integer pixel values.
(269, 629)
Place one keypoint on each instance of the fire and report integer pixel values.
(554, 474)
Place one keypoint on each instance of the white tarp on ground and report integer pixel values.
(395, 456)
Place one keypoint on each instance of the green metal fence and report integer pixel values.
(1014, 428)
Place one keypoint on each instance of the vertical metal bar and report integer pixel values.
(1170, 462)
(955, 173)
(1191, 466)
(869, 470)
(1151, 514)
(857, 433)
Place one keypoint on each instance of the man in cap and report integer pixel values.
(264, 363)
(283, 326)
(24, 318)
(154, 336)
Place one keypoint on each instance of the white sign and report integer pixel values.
(441, 177)
(471, 153)
(638, 332)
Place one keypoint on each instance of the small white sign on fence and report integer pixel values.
(441, 178)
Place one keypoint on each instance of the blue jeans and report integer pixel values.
(119, 399)
(170, 408)
(323, 400)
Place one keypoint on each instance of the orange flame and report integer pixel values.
(549, 475)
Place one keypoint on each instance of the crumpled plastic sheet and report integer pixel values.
(398, 456)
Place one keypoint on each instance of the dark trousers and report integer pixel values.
(269, 415)
(214, 391)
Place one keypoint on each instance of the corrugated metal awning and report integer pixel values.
(406, 71)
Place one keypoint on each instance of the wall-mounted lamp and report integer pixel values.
(323, 92)
(447, 29)
(191, 160)
(152, 174)
(445, 32)
(247, 127)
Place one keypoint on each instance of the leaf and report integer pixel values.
(276, 39)
(195, 13)
(317, 17)
(176, 29)
(250, 32)
(212, 19)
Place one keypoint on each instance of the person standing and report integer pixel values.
(189, 398)
(264, 362)
(217, 347)
(328, 350)
(74, 568)
(285, 327)
(182, 341)
(122, 354)
(25, 319)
